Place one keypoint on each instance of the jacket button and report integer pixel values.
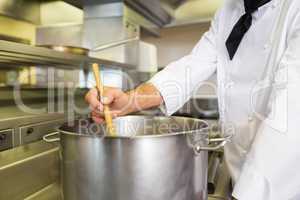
(250, 118)
(266, 46)
(230, 84)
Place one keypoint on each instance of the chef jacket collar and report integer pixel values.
(271, 3)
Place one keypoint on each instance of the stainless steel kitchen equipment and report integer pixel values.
(15, 54)
(68, 49)
(6, 139)
(152, 158)
(213, 169)
(218, 178)
(34, 132)
(30, 171)
(201, 108)
(114, 44)
(84, 51)
(29, 167)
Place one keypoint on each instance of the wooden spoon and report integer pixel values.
(107, 114)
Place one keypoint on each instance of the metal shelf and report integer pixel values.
(16, 54)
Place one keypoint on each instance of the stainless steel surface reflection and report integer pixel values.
(153, 158)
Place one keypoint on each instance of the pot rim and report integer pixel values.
(196, 131)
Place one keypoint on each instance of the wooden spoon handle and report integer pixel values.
(107, 114)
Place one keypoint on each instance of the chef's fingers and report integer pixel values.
(92, 99)
(97, 113)
(98, 109)
(97, 117)
(114, 113)
(110, 94)
(97, 120)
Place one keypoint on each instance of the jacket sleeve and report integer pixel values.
(179, 79)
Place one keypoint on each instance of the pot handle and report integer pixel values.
(47, 139)
(198, 148)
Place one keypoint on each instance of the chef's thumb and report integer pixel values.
(110, 94)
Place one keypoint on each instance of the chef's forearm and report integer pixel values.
(144, 97)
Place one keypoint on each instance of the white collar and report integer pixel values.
(273, 3)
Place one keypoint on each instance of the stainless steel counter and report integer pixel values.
(12, 116)
(50, 192)
(15, 54)
(29, 170)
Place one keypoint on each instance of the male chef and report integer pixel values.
(263, 156)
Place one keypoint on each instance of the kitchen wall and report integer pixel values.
(176, 42)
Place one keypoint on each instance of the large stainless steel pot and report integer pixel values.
(155, 158)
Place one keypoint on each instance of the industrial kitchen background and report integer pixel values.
(46, 51)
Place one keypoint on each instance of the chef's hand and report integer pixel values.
(117, 100)
(122, 103)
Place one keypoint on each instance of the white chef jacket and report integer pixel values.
(264, 163)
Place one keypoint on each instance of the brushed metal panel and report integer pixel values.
(18, 55)
(98, 10)
(95, 35)
(51, 192)
(67, 35)
(28, 169)
(28, 10)
(151, 10)
(36, 132)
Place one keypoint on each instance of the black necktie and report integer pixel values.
(242, 26)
